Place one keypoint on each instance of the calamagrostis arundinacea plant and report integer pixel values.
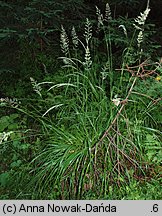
(64, 41)
(75, 39)
(140, 20)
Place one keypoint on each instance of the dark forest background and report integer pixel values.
(32, 29)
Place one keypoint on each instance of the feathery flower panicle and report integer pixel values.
(13, 102)
(108, 16)
(5, 135)
(140, 38)
(88, 61)
(99, 17)
(140, 22)
(88, 35)
(88, 31)
(64, 41)
(105, 69)
(36, 87)
(75, 39)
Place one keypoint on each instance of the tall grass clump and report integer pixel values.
(99, 123)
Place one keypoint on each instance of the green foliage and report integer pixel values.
(153, 149)
(7, 122)
(15, 150)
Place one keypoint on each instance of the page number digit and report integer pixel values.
(155, 208)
